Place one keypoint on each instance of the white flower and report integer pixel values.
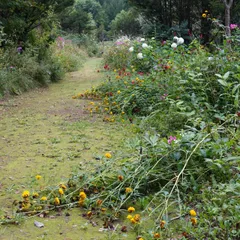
(131, 49)
(153, 38)
(142, 39)
(210, 58)
(174, 45)
(140, 56)
(180, 41)
(175, 38)
(144, 45)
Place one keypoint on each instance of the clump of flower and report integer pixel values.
(108, 155)
(56, 201)
(131, 49)
(171, 138)
(140, 56)
(131, 209)
(128, 190)
(194, 221)
(120, 177)
(25, 194)
(60, 190)
(82, 197)
(233, 26)
(144, 45)
(192, 213)
(38, 177)
(162, 224)
(156, 235)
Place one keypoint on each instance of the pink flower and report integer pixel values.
(233, 26)
(171, 138)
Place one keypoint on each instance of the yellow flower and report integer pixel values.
(128, 190)
(193, 213)
(38, 177)
(62, 186)
(137, 217)
(118, 91)
(81, 202)
(56, 201)
(133, 220)
(43, 198)
(131, 209)
(108, 155)
(89, 214)
(140, 238)
(162, 223)
(60, 190)
(82, 195)
(156, 235)
(129, 216)
(25, 194)
(103, 209)
(204, 15)
(194, 221)
(35, 195)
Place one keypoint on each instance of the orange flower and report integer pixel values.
(99, 202)
(194, 221)
(120, 177)
(156, 235)
(137, 217)
(162, 223)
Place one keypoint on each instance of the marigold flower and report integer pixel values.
(108, 155)
(140, 238)
(38, 177)
(43, 198)
(60, 190)
(156, 235)
(194, 221)
(118, 91)
(103, 209)
(82, 195)
(25, 194)
(204, 15)
(56, 201)
(162, 223)
(129, 216)
(137, 217)
(193, 213)
(120, 177)
(128, 190)
(133, 220)
(131, 209)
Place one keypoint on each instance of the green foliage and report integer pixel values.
(21, 72)
(126, 23)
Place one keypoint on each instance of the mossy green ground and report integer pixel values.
(46, 132)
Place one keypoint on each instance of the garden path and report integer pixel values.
(46, 132)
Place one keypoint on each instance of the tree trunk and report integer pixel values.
(228, 6)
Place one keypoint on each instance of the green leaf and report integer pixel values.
(222, 82)
(218, 75)
(226, 75)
